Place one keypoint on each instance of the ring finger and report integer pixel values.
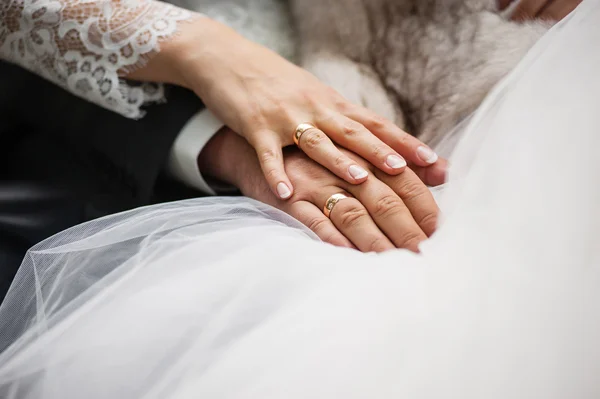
(351, 218)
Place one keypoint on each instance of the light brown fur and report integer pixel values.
(424, 63)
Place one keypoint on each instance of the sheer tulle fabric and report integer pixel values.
(227, 298)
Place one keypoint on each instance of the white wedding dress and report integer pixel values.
(228, 298)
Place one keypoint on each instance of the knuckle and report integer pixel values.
(313, 138)
(271, 174)
(327, 118)
(401, 137)
(377, 244)
(378, 151)
(352, 216)
(269, 155)
(388, 206)
(343, 105)
(317, 225)
(332, 238)
(411, 239)
(429, 219)
(352, 129)
(380, 123)
(412, 190)
(340, 160)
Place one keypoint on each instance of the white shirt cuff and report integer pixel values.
(183, 158)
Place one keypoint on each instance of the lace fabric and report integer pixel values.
(85, 46)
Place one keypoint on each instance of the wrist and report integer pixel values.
(202, 54)
(170, 63)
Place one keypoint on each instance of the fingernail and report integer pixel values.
(283, 190)
(357, 172)
(395, 162)
(427, 155)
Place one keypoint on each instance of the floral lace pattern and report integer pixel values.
(86, 45)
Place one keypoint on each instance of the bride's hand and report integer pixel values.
(263, 97)
(383, 213)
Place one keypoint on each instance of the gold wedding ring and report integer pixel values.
(300, 129)
(331, 202)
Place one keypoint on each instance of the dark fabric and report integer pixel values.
(64, 161)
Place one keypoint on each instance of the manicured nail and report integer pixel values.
(357, 172)
(427, 155)
(395, 162)
(283, 190)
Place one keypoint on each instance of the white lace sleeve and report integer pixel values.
(86, 45)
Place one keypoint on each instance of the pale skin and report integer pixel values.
(384, 213)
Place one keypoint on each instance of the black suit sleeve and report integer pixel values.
(126, 155)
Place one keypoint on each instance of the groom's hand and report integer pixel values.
(552, 10)
(383, 213)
